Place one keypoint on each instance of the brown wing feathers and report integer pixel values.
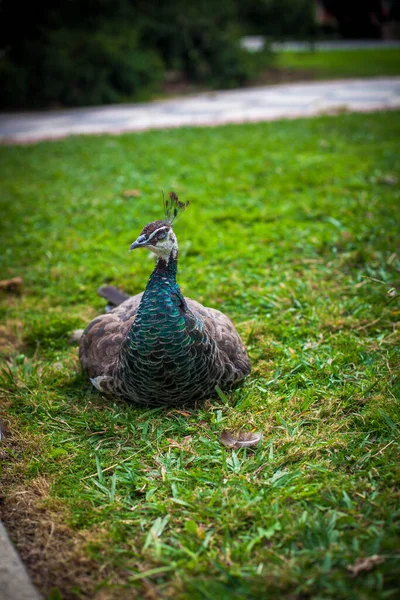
(102, 339)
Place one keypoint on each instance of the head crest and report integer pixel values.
(173, 207)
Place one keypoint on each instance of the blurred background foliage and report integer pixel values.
(96, 51)
(87, 52)
(279, 18)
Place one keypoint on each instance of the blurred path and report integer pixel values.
(254, 43)
(213, 108)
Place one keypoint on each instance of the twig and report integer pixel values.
(368, 324)
(382, 449)
(113, 466)
(49, 538)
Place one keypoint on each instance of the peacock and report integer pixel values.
(159, 348)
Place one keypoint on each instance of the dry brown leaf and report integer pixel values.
(132, 193)
(365, 564)
(184, 445)
(241, 439)
(14, 285)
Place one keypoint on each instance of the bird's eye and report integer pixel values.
(162, 235)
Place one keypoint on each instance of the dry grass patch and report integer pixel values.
(55, 554)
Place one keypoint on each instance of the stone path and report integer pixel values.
(14, 580)
(255, 43)
(237, 106)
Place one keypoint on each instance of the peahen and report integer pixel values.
(158, 347)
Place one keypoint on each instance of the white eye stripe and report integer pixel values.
(156, 231)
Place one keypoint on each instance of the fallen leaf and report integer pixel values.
(365, 564)
(132, 193)
(13, 285)
(241, 439)
(184, 445)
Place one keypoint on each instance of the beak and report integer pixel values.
(140, 242)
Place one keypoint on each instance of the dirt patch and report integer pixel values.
(54, 553)
(51, 551)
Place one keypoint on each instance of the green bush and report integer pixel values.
(199, 38)
(81, 68)
(278, 18)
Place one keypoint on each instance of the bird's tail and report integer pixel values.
(113, 295)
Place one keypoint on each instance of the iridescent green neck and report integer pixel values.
(165, 268)
(159, 311)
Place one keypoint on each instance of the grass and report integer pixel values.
(342, 63)
(292, 231)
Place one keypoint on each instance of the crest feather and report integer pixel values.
(173, 207)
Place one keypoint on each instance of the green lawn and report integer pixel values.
(293, 232)
(343, 63)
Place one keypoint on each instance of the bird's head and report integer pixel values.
(158, 236)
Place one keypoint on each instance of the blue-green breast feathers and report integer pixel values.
(167, 356)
